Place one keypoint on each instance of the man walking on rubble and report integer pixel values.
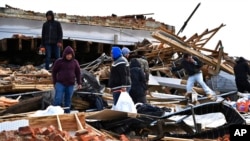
(241, 72)
(51, 38)
(192, 66)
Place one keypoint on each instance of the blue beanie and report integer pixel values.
(116, 52)
(125, 51)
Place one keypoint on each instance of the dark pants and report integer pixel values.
(116, 96)
(139, 99)
(49, 50)
(63, 96)
(243, 85)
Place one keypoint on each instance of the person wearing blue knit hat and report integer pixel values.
(119, 79)
(116, 52)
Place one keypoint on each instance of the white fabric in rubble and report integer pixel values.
(50, 110)
(210, 120)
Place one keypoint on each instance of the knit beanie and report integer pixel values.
(49, 13)
(116, 52)
(125, 51)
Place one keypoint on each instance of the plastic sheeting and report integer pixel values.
(223, 82)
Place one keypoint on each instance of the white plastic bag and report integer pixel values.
(50, 110)
(125, 103)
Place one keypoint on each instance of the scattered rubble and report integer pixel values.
(166, 89)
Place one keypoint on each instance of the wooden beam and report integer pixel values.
(177, 43)
(68, 121)
(217, 68)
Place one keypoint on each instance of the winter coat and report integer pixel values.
(119, 74)
(51, 31)
(138, 79)
(66, 71)
(189, 67)
(241, 69)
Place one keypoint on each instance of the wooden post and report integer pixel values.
(217, 69)
(74, 45)
(32, 44)
(19, 44)
(100, 48)
(3, 45)
(174, 41)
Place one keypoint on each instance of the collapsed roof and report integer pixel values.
(123, 30)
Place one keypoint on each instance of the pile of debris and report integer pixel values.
(24, 78)
(170, 115)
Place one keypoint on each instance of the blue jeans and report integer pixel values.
(63, 96)
(49, 50)
(198, 78)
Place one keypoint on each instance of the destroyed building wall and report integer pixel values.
(88, 35)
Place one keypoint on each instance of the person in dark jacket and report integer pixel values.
(241, 72)
(142, 60)
(65, 72)
(192, 66)
(51, 38)
(138, 82)
(119, 79)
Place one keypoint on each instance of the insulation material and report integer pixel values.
(223, 82)
(13, 125)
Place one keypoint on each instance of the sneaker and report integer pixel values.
(188, 95)
(212, 97)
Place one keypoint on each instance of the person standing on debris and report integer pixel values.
(51, 38)
(192, 66)
(65, 72)
(119, 79)
(143, 62)
(138, 82)
(241, 72)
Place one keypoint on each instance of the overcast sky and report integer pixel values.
(210, 14)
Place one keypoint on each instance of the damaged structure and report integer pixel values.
(92, 39)
(89, 36)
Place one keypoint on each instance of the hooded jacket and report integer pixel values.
(241, 69)
(51, 31)
(119, 74)
(189, 67)
(138, 79)
(66, 71)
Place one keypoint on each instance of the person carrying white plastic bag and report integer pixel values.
(125, 103)
(119, 81)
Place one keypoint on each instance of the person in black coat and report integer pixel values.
(138, 82)
(192, 66)
(119, 79)
(241, 72)
(52, 38)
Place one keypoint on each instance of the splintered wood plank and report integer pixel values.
(68, 121)
(32, 86)
(177, 43)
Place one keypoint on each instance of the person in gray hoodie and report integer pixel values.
(65, 72)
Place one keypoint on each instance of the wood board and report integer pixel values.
(68, 121)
